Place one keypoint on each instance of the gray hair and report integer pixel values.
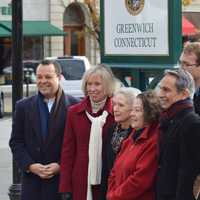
(129, 93)
(184, 80)
(107, 77)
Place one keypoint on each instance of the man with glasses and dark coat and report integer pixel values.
(190, 61)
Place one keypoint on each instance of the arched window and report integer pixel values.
(74, 21)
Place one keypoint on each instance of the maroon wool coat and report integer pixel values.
(134, 171)
(74, 158)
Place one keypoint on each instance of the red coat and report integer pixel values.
(74, 158)
(134, 171)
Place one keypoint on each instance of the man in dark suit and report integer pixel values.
(37, 134)
(179, 160)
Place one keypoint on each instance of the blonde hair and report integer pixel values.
(107, 76)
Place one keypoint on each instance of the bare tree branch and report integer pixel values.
(95, 30)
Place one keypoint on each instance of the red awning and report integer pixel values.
(187, 27)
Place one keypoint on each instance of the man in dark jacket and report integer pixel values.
(179, 159)
(37, 134)
(190, 61)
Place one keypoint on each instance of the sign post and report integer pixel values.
(141, 34)
(17, 82)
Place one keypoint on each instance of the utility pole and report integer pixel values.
(17, 82)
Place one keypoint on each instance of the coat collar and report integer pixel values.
(86, 105)
(176, 108)
(35, 118)
(146, 132)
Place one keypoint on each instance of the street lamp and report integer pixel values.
(17, 82)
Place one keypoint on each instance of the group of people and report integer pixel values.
(114, 144)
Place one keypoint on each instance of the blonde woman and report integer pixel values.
(85, 132)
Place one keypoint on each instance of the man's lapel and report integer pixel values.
(56, 122)
(35, 119)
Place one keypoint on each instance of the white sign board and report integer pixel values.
(136, 27)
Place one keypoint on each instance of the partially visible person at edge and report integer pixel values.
(37, 134)
(179, 160)
(85, 133)
(134, 172)
(190, 61)
(122, 107)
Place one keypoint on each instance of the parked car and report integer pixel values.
(73, 68)
(29, 70)
(31, 64)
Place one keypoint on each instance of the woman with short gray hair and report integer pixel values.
(122, 107)
(134, 171)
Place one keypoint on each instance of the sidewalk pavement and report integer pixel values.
(5, 130)
(5, 158)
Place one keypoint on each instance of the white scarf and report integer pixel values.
(95, 151)
(96, 106)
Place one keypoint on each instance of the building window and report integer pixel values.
(33, 48)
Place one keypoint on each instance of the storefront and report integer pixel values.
(37, 31)
(34, 33)
(69, 20)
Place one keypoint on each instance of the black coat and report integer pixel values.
(109, 157)
(196, 101)
(28, 146)
(179, 160)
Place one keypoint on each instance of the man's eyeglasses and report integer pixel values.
(186, 64)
